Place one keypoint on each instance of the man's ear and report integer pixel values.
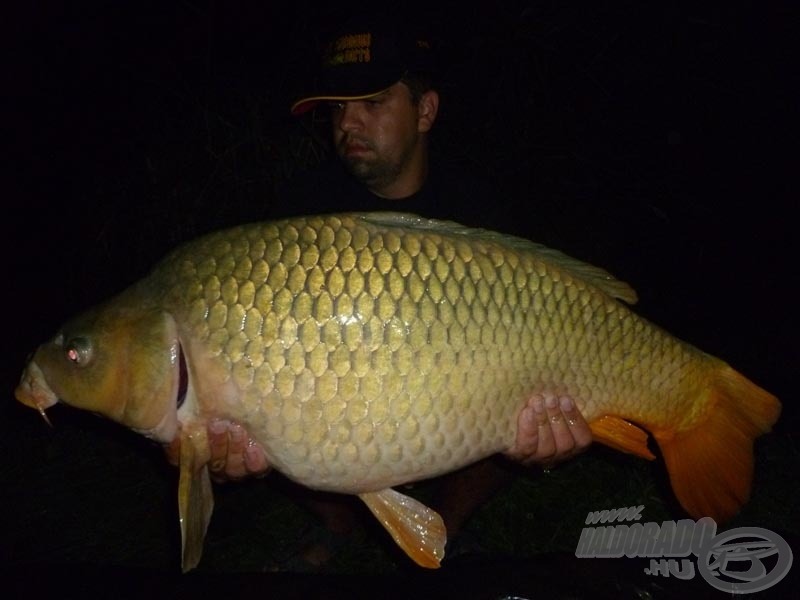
(427, 108)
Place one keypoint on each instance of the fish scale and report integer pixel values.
(363, 351)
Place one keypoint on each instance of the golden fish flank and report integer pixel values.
(368, 350)
(456, 293)
(350, 336)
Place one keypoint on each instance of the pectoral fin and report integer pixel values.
(195, 498)
(417, 529)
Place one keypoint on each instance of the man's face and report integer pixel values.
(377, 139)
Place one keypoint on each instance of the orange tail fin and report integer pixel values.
(711, 465)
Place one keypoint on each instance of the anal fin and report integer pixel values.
(417, 529)
(621, 435)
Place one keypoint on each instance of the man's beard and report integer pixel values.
(373, 173)
(372, 170)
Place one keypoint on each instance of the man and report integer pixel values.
(377, 86)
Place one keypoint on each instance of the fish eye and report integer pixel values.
(78, 351)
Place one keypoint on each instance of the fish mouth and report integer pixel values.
(183, 378)
(33, 390)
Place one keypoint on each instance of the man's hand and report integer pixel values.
(234, 454)
(549, 430)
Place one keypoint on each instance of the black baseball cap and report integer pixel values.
(365, 58)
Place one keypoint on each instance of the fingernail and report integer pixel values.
(551, 402)
(567, 403)
(216, 426)
(537, 405)
(237, 433)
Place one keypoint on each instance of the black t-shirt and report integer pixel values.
(450, 192)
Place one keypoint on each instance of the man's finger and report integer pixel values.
(547, 443)
(217, 445)
(237, 445)
(527, 441)
(563, 441)
(255, 461)
(579, 428)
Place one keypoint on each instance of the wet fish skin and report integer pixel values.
(368, 350)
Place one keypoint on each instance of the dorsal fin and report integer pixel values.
(594, 276)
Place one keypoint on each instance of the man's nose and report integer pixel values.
(350, 117)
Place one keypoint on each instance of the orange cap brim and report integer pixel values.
(305, 104)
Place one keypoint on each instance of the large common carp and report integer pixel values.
(363, 351)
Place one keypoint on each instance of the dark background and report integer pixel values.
(654, 139)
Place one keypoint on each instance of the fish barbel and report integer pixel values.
(368, 350)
